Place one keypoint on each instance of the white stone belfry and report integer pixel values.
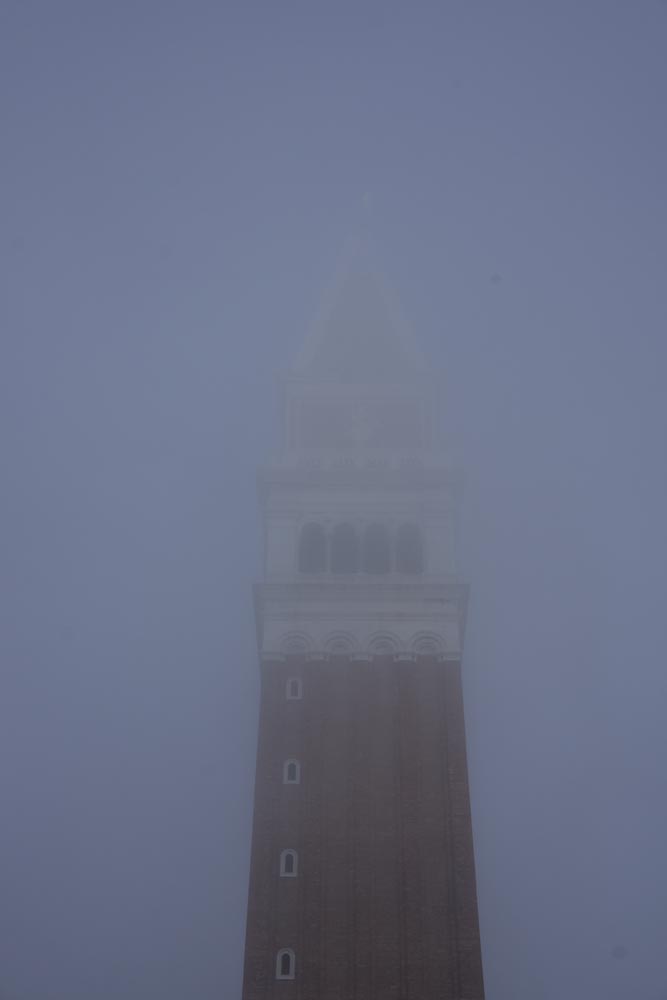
(360, 504)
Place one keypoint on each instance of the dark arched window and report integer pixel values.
(291, 772)
(312, 549)
(285, 964)
(294, 689)
(344, 549)
(409, 549)
(289, 864)
(377, 549)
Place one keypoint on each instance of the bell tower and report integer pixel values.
(362, 881)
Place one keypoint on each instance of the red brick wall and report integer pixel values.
(384, 906)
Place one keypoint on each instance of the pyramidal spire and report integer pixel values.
(360, 334)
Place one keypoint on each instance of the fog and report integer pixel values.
(179, 181)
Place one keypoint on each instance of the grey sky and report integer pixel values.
(178, 182)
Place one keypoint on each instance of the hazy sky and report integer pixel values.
(178, 180)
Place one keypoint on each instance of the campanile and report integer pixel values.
(362, 880)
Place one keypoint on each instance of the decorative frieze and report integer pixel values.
(320, 621)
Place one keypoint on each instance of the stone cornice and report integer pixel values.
(360, 588)
(384, 471)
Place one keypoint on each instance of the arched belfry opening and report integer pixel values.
(377, 549)
(344, 549)
(409, 549)
(312, 548)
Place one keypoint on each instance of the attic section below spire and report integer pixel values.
(346, 423)
(360, 337)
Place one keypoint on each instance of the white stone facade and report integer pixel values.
(360, 450)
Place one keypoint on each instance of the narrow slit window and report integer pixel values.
(294, 689)
(285, 964)
(289, 864)
(291, 772)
